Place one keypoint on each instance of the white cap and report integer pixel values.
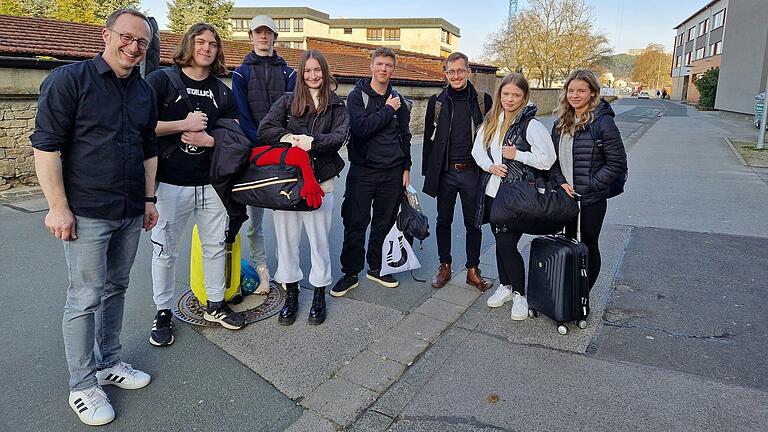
(263, 21)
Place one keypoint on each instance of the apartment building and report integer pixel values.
(431, 36)
(731, 35)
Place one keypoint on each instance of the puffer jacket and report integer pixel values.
(330, 129)
(256, 85)
(594, 167)
(517, 134)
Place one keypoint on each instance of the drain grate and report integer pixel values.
(188, 309)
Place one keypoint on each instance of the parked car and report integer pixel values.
(643, 95)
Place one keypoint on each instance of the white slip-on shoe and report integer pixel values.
(502, 295)
(124, 376)
(519, 307)
(92, 406)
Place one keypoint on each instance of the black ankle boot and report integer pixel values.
(317, 311)
(288, 312)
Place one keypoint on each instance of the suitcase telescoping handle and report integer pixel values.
(578, 217)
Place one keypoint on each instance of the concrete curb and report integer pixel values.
(736, 152)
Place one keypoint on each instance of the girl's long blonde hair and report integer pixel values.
(567, 123)
(491, 122)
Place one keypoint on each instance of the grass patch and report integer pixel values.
(750, 153)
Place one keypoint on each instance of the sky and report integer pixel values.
(627, 23)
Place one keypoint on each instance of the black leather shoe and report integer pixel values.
(288, 312)
(317, 311)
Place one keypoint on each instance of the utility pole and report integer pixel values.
(761, 134)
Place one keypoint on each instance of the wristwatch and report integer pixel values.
(152, 199)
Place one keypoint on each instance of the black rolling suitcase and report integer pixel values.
(558, 286)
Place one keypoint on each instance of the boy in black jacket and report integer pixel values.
(380, 162)
(452, 119)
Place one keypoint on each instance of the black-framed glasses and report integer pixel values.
(128, 39)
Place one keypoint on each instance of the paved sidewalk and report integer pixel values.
(676, 339)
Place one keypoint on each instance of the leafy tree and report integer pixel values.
(80, 11)
(106, 7)
(652, 67)
(548, 40)
(12, 7)
(37, 8)
(183, 13)
(621, 65)
(707, 85)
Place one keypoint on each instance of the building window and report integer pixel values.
(298, 25)
(298, 45)
(347, 30)
(374, 34)
(281, 44)
(391, 34)
(283, 25)
(691, 33)
(700, 53)
(716, 48)
(239, 24)
(688, 58)
(703, 26)
(445, 36)
(679, 61)
(680, 38)
(719, 19)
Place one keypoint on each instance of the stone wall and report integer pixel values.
(17, 120)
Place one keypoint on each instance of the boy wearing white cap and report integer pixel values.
(256, 84)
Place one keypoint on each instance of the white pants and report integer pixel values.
(288, 228)
(175, 204)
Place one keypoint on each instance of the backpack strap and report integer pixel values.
(366, 99)
(223, 94)
(174, 75)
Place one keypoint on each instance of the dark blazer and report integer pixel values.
(435, 149)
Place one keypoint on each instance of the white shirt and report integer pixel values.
(541, 156)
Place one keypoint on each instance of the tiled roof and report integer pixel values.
(38, 37)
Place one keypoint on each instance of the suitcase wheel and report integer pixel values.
(533, 313)
(582, 324)
(562, 329)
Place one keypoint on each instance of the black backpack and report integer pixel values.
(616, 187)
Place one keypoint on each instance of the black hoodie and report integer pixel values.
(380, 137)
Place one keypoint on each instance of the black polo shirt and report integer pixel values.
(104, 128)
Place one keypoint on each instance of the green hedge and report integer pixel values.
(707, 85)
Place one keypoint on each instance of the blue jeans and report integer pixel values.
(99, 263)
(255, 236)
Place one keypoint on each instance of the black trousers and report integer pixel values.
(592, 217)
(368, 189)
(509, 261)
(464, 184)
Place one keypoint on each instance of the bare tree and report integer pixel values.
(548, 40)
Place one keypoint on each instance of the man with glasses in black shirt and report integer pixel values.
(96, 156)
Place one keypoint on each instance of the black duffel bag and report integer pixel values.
(533, 206)
(273, 187)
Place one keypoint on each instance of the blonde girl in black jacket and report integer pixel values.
(591, 156)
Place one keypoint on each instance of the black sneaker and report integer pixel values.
(346, 283)
(162, 329)
(219, 312)
(387, 281)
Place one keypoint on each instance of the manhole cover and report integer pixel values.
(187, 308)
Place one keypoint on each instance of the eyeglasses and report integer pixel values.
(128, 39)
(453, 73)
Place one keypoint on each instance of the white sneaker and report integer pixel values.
(502, 295)
(263, 287)
(123, 376)
(519, 307)
(92, 406)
